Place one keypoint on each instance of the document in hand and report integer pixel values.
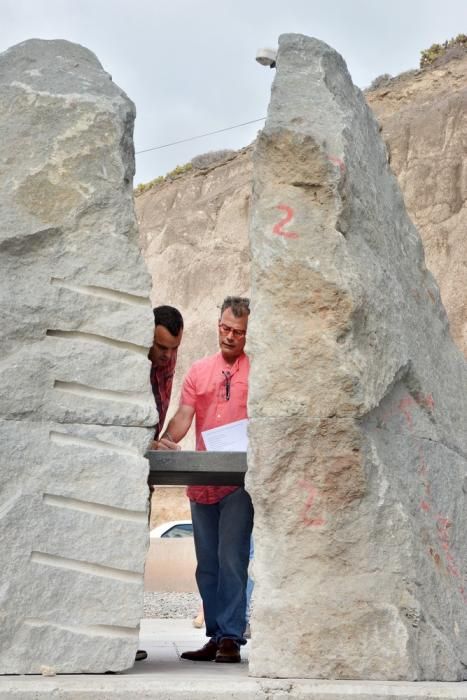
(232, 437)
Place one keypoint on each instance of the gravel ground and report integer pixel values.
(171, 605)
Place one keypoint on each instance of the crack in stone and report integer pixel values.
(98, 339)
(103, 292)
(85, 567)
(67, 439)
(458, 452)
(90, 392)
(93, 508)
(90, 630)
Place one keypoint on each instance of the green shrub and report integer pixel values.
(179, 170)
(145, 186)
(380, 81)
(428, 56)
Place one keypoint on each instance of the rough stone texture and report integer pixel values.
(422, 116)
(358, 402)
(76, 323)
(194, 236)
(424, 123)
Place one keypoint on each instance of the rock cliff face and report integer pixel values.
(75, 398)
(194, 235)
(424, 124)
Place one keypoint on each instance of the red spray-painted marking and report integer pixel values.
(422, 469)
(337, 161)
(405, 407)
(309, 503)
(425, 400)
(443, 524)
(407, 404)
(278, 228)
(422, 472)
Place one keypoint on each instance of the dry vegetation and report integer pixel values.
(429, 56)
(176, 172)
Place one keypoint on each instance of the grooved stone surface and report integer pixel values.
(75, 402)
(358, 402)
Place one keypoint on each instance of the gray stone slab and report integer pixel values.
(75, 401)
(357, 401)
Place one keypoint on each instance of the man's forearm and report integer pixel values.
(179, 425)
(175, 431)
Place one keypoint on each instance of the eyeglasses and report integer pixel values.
(225, 330)
(227, 379)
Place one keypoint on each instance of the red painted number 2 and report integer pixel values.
(279, 227)
(307, 517)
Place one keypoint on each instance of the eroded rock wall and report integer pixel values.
(423, 115)
(358, 401)
(75, 400)
(424, 124)
(194, 236)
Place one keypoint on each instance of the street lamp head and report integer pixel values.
(267, 57)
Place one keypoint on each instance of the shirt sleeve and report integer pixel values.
(188, 393)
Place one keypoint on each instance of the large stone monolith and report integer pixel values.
(76, 323)
(358, 402)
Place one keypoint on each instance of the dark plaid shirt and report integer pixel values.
(161, 382)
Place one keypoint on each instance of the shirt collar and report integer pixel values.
(231, 368)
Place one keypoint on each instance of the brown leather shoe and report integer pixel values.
(206, 653)
(228, 652)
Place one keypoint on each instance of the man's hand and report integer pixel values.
(176, 430)
(166, 444)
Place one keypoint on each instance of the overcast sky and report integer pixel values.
(189, 65)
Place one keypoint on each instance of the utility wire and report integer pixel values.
(192, 138)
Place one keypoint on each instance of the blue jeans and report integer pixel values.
(250, 584)
(222, 533)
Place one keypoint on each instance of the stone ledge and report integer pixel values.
(208, 687)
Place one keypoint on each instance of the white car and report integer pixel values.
(174, 528)
(171, 560)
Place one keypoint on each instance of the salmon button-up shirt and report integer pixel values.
(206, 389)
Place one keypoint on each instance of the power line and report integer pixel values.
(200, 136)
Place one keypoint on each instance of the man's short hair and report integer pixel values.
(240, 306)
(170, 318)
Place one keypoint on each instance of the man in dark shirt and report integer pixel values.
(163, 356)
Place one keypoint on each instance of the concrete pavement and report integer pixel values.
(166, 677)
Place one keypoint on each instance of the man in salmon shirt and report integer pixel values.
(215, 391)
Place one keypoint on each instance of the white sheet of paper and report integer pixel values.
(227, 438)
